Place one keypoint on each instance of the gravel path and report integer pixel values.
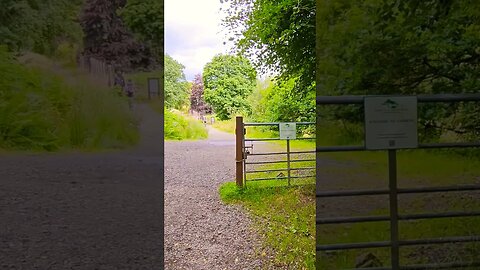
(84, 211)
(200, 231)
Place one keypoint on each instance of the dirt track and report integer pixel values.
(103, 210)
(200, 231)
(83, 211)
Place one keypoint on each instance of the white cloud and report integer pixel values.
(193, 34)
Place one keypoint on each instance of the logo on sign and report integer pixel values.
(390, 104)
(288, 131)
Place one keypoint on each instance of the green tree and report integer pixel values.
(145, 19)
(176, 86)
(107, 38)
(402, 47)
(278, 103)
(278, 36)
(228, 81)
(39, 26)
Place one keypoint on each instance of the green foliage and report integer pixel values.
(140, 80)
(179, 127)
(66, 53)
(284, 216)
(277, 35)
(228, 80)
(176, 86)
(402, 47)
(108, 39)
(278, 102)
(42, 111)
(39, 26)
(145, 18)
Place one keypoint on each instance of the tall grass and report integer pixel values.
(179, 126)
(43, 107)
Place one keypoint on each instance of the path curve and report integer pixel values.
(201, 232)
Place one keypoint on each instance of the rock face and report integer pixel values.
(107, 38)
(367, 260)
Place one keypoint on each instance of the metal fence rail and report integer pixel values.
(393, 192)
(243, 152)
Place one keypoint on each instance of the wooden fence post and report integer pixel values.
(239, 151)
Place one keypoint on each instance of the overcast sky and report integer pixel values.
(193, 34)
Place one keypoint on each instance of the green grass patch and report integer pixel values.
(380, 231)
(284, 216)
(415, 168)
(296, 171)
(179, 126)
(44, 107)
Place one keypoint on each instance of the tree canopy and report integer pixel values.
(278, 36)
(107, 38)
(228, 80)
(197, 99)
(145, 19)
(176, 86)
(401, 47)
(39, 25)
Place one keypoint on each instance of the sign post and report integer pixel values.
(153, 87)
(288, 131)
(239, 157)
(390, 122)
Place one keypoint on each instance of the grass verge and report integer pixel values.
(284, 216)
(44, 107)
(179, 126)
(415, 168)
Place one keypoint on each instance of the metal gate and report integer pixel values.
(246, 168)
(394, 217)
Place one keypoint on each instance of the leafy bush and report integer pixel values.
(39, 25)
(179, 127)
(66, 53)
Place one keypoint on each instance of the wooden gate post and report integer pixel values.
(239, 151)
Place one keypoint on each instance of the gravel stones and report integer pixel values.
(201, 232)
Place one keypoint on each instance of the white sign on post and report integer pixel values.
(390, 122)
(154, 86)
(288, 131)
